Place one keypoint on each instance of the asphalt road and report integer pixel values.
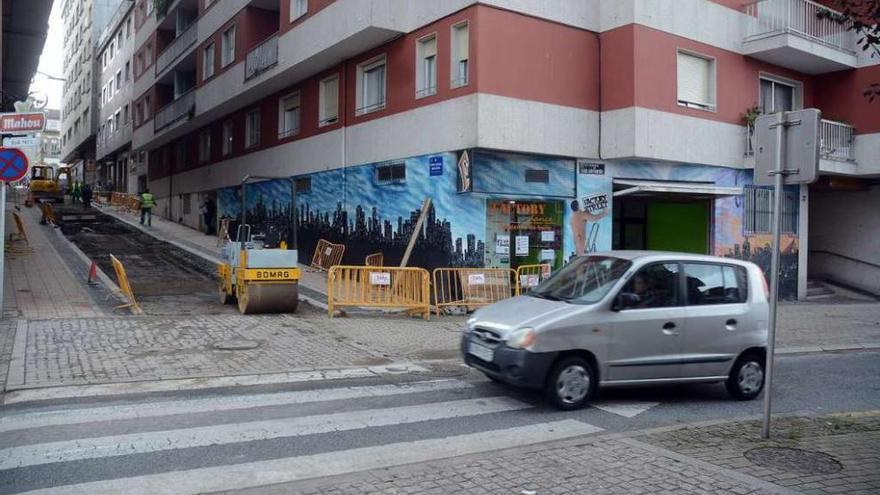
(191, 441)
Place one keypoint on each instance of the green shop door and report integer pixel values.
(682, 227)
(523, 233)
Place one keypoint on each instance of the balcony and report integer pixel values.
(112, 141)
(177, 47)
(836, 141)
(182, 107)
(261, 58)
(791, 33)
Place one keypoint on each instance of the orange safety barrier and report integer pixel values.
(327, 255)
(19, 225)
(379, 287)
(125, 287)
(375, 259)
(470, 288)
(48, 214)
(529, 276)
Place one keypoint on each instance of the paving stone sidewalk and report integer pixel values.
(717, 458)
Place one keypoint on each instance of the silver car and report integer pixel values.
(625, 318)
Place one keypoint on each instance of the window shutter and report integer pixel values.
(693, 79)
(291, 102)
(429, 48)
(461, 42)
(331, 98)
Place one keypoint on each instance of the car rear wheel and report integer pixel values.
(746, 379)
(571, 384)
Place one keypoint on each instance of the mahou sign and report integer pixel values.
(22, 122)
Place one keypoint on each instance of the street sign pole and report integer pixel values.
(3, 186)
(787, 153)
(778, 178)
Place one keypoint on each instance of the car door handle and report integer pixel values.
(668, 329)
(731, 324)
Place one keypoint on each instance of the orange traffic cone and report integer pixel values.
(93, 273)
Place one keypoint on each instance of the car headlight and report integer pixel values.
(522, 338)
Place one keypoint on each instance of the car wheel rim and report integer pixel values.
(751, 377)
(573, 384)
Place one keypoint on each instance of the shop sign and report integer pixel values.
(464, 172)
(590, 168)
(22, 122)
(595, 202)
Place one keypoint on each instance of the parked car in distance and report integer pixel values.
(628, 318)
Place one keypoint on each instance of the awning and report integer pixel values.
(692, 190)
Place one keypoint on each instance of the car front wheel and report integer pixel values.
(571, 384)
(746, 379)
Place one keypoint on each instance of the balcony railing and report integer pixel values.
(176, 110)
(261, 58)
(800, 17)
(836, 141)
(176, 48)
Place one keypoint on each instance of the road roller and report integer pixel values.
(261, 278)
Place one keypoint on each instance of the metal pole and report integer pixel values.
(778, 176)
(294, 220)
(3, 186)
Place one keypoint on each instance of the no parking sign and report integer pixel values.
(13, 164)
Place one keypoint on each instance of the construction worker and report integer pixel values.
(77, 191)
(87, 195)
(147, 204)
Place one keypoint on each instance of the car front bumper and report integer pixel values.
(514, 366)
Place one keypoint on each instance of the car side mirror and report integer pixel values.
(625, 300)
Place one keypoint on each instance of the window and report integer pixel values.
(252, 129)
(538, 176)
(139, 63)
(228, 47)
(329, 101)
(110, 91)
(116, 120)
(371, 86)
(127, 70)
(426, 64)
(227, 137)
(118, 80)
(460, 49)
(204, 146)
(654, 286)
(696, 81)
(125, 114)
(715, 284)
(149, 7)
(147, 108)
(298, 8)
(758, 211)
(187, 204)
(303, 185)
(208, 62)
(110, 125)
(148, 55)
(288, 115)
(128, 27)
(391, 173)
(138, 113)
(778, 96)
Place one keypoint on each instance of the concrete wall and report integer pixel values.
(844, 241)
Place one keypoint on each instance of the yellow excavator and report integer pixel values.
(262, 279)
(45, 185)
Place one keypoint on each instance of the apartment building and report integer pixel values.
(539, 130)
(50, 138)
(84, 21)
(113, 140)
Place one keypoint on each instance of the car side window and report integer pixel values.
(709, 283)
(654, 286)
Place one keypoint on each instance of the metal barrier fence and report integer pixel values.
(374, 287)
(375, 259)
(529, 276)
(125, 287)
(327, 255)
(130, 203)
(470, 288)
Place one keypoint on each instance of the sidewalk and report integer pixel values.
(830, 454)
(313, 284)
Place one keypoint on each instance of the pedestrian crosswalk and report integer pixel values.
(215, 441)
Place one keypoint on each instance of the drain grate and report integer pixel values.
(794, 460)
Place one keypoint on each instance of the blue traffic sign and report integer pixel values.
(13, 164)
(436, 165)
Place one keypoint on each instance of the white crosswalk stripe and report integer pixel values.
(224, 441)
(227, 403)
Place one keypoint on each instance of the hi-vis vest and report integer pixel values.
(147, 200)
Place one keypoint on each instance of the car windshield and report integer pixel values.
(585, 280)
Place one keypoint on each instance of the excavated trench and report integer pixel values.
(156, 270)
